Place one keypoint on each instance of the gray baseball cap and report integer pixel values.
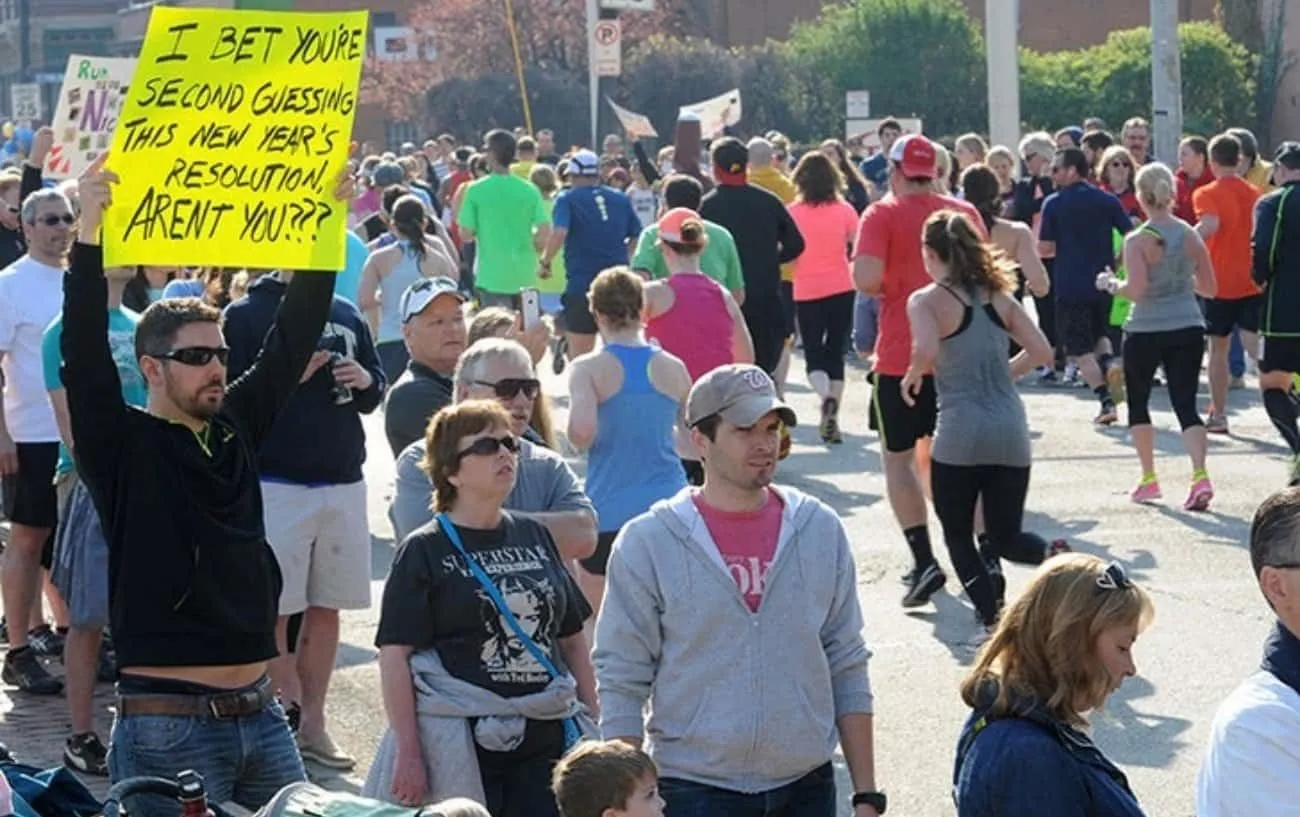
(741, 393)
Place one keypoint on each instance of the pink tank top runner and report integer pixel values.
(698, 328)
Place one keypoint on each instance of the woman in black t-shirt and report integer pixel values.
(433, 602)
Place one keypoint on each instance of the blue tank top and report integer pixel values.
(406, 272)
(632, 463)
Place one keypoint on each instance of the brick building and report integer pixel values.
(1045, 25)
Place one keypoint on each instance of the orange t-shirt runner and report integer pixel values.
(891, 231)
(1231, 199)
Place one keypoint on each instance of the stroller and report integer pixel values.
(294, 800)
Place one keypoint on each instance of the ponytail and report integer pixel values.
(972, 263)
(408, 223)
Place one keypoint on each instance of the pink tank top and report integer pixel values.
(698, 328)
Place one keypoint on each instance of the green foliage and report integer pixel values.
(916, 57)
(920, 58)
(1113, 81)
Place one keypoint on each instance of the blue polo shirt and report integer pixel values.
(600, 222)
(1079, 220)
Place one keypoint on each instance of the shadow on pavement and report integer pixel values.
(1213, 527)
(1133, 738)
(351, 655)
(954, 622)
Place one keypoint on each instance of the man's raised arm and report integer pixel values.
(261, 392)
(94, 391)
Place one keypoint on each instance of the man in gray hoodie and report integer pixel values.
(733, 611)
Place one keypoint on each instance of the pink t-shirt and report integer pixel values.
(828, 230)
(747, 542)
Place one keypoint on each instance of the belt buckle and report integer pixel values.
(223, 707)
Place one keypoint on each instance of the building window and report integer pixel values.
(62, 43)
(398, 132)
(383, 19)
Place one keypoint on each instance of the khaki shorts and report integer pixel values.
(321, 539)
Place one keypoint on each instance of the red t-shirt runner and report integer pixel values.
(891, 231)
(747, 541)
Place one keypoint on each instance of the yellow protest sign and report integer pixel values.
(234, 130)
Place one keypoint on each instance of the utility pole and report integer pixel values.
(1166, 82)
(1002, 37)
(24, 40)
(593, 81)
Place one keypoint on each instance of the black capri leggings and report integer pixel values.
(1180, 351)
(1003, 488)
(824, 325)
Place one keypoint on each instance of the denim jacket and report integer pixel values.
(1029, 763)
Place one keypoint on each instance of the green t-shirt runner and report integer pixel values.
(719, 260)
(502, 212)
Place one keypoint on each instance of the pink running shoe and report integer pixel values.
(1146, 492)
(1198, 499)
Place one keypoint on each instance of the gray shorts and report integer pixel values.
(80, 566)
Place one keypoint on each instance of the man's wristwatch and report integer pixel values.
(875, 799)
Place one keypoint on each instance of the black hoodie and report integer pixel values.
(313, 441)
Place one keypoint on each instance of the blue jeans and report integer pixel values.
(1236, 356)
(245, 760)
(812, 795)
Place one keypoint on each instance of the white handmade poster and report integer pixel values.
(89, 103)
(716, 113)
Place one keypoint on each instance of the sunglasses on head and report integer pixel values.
(197, 355)
(1114, 578)
(54, 221)
(489, 446)
(510, 387)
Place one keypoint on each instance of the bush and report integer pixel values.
(916, 57)
(1113, 81)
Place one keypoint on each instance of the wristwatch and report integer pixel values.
(875, 799)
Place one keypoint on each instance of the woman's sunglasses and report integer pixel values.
(510, 387)
(489, 446)
(54, 221)
(1121, 163)
(197, 355)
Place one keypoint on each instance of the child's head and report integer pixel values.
(607, 779)
(456, 807)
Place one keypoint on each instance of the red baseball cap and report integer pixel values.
(675, 220)
(915, 156)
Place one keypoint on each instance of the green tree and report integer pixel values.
(916, 57)
(1113, 81)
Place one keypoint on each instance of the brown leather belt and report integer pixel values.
(223, 706)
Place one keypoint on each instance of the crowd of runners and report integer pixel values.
(182, 454)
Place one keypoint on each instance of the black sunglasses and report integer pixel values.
(489, 446)
(510, 387)
(1120, 163)
(197, 355)
(54, 221)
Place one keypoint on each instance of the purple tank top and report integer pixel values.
(698, 328)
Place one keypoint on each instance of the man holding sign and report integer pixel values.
(194, 587)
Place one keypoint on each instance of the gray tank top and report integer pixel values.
(1170, 300)
(405, 273)
(981, 418)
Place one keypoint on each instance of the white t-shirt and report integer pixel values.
(31, 297)
(644, 203)
(1252, 764)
